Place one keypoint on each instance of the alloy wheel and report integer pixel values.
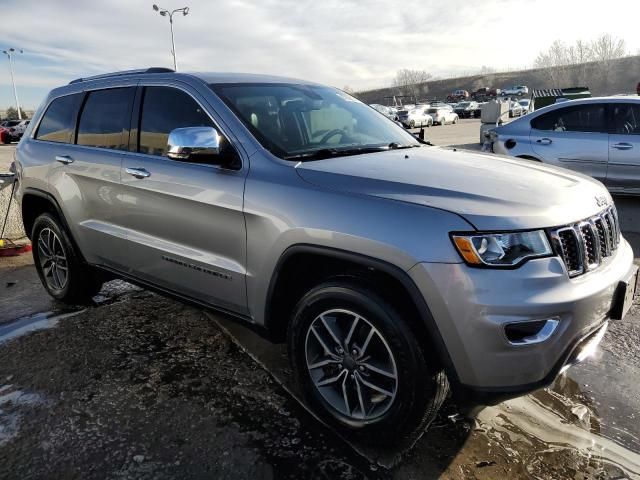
(53, 260)
(351, 365)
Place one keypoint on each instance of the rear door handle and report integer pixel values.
(66, 159)
(138, 172)
(622, 146)
(544, 141)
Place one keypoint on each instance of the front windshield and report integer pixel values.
(292, 120)
(464, 104)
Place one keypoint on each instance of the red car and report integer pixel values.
(5, 137)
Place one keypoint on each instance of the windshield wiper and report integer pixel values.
(344, 152)
(399, 146)
(335, 152)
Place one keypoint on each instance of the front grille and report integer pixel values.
(583, 246)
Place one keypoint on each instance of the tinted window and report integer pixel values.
(57, 124)
(104, 121)
(626, 118)
(165, 109)
(579, 118)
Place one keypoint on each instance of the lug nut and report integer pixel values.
(354, 352)
(362, 368)
(340, 351)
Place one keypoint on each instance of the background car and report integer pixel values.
(386, 111)
(418, 117)
(519, 90)
(442, 115)
(515, 109)
(21, 127)
(525, 103)
(466, 109)
(13, 129)
(599, 137)
(5, 137)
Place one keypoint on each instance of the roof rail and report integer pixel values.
(124, 72)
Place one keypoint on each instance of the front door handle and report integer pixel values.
(138, 172)
(544, 141)
(622, 146)
(66, 159)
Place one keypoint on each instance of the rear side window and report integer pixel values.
(626, 118)
(105, 118)
(58, 122)
(578, 118)
(163, 110)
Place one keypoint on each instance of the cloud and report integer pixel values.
(340, 42)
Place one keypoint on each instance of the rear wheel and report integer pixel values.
(62, 273)
(360, 365)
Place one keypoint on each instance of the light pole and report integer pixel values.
(9, 53)
(167, 13)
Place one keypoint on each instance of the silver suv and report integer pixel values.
(395, 270)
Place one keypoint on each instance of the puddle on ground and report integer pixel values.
(13, 406)
(111, 292)
(32, 323)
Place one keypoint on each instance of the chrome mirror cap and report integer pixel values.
(192, 142)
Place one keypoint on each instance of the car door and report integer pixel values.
(623, 173)
(573, 136)
(185, 222)
(85, 176)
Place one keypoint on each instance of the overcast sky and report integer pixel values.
(359, 43)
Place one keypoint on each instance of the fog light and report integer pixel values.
(529, 333)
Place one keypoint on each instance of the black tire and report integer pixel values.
(421, 385)
(81, 282)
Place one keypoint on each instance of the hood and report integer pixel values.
(491, 192)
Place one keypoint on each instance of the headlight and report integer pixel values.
(502, 249)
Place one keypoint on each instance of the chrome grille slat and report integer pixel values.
(584, 245)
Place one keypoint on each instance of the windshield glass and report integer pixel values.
(289, 119)
(464, 104)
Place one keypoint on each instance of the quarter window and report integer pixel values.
(163, 110)
(104, 121)
(57, 123)
(578, 118)
(626, 118)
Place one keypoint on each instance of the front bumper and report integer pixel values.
(471, 307)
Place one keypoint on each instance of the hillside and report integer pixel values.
(620, 76)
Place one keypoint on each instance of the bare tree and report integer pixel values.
(584, 63)
(555, 61)
(606, 50)
(412, 82)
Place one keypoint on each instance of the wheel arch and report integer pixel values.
(36, 202)
(298, 261)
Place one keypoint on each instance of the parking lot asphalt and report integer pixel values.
(141, 386)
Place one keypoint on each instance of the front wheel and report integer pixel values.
(361, 366)
(62, 273)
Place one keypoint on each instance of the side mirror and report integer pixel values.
(194, 144)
